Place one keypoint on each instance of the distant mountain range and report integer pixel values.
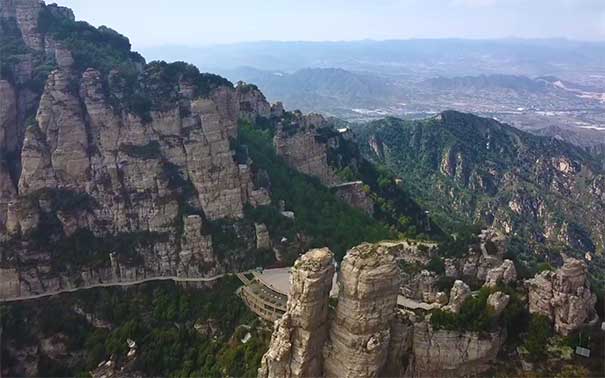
(314, 89)
(420, 58)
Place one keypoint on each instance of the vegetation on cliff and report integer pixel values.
(319, 215)
(178, 331)
(472, 170)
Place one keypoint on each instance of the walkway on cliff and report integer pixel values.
(115, 284)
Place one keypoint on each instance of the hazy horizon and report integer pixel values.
(202, 23)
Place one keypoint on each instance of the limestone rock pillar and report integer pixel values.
(298, 337)
(360, 334)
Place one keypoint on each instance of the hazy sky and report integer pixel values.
(198, 22)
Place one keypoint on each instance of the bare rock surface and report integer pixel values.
(301, 146)
(298, 337)
(356, 195)
(441, 353)
(564, 296)
(505, 273)
(459, 293)
(498, 302)
(360, 334)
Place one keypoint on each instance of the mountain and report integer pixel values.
(590, 139)
(422, 58)
(145, 165)
(116, 172)
(483, 82)
(473, 169)
(319, 89)
(136, 197)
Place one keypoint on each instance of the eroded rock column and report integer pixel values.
(360, 334)
(298, 337)
(564, 296)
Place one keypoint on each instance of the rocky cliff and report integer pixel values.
(133, 163)
(360, 333)
(478, 170)
(452, 353)
(366, 334)
(298, 337)
(564, 296)
(303, 142)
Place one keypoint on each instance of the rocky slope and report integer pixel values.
(117, 173)
(472, 169)
(116, 170)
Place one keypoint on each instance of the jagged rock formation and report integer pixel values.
(263, 240)
(479, 170)
(481, 258)
(303, 143)
(563, 296)
(498, 302)
(355, 194)
(252, 102)
(138, 158)
(357, 340)
(440, 353)
(421, 286)
(459, 293)
(366, 335)
(505, 273)
(360, 334)
(298, 337)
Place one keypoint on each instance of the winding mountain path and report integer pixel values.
(114, 284)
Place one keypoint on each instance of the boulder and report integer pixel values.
(505, 273)
(498, 302)
(459, 293)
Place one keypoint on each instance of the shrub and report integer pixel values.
(149, 151)
(539, 331)
(436, 265)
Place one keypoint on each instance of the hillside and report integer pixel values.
(118, 170)
(473, 169)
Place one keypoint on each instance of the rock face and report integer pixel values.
(498, 302)
(263, 240)
(421, 286)
(459, 293)
(355, 194)
(366, 334)
(360, 334)
(303, 146)
(486, 254)
(440, 353)
(563, 296)
(252, 102)
(137, 164)
(298, 337)
(505, 273)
